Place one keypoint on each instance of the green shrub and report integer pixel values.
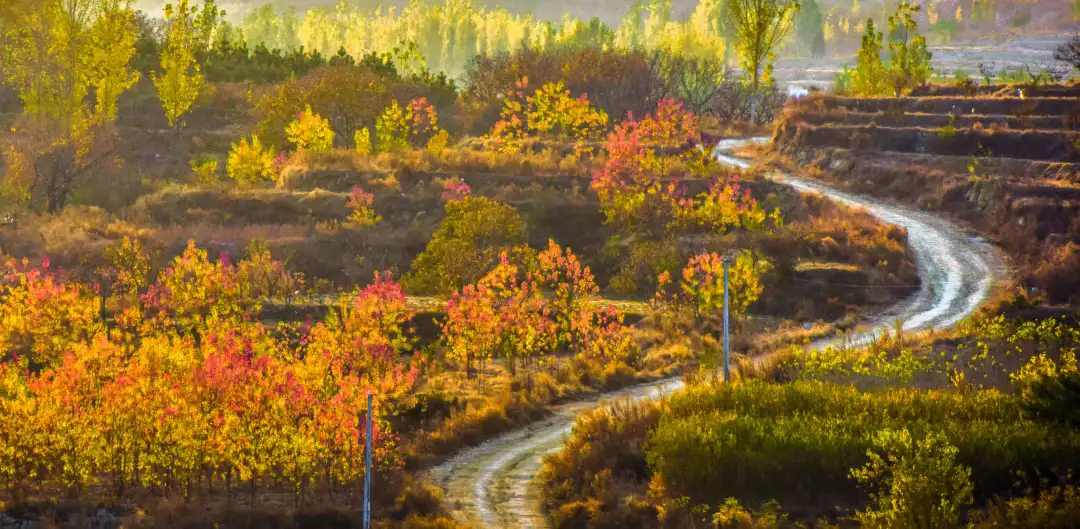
(391, 129)
(756, 441)
(1053, 508)
(467, 244)
(917, 482)
(205, 168)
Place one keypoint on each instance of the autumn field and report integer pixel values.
(222, 233)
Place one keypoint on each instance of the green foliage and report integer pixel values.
(702, 283)
(1055, 396)
(756, 441)
(60, 50)
(467, 244)
(868, 78)
(731, 515)
(845, 81)
(180, 80)
(310, 132)
(1052, 508)
(948, 131)
(250, 163)
(909, 61)
(810, 29)
(391, 129)
(761, 25)
(908, 64)
(946, 30)
(983, 11)
(880, 361)
(263, 26)
(917, 483)
(205, 168)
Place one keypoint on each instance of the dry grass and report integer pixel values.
(1047, 145)
(465, 412)
(338, 169)
(999, 106)
(807, 266)
(934, 121)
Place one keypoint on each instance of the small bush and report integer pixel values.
(310, 131)
(467, 244)
(419, 499)
(362, 139)
(391, 129)
(250, 163)
(362, 205)
(437, 144)
(918, 482)
(1053, 508)
(205, 168)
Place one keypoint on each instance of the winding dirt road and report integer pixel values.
(492, 485)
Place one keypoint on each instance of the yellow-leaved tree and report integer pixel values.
(250, 163)
(179, 82)
(310, 132)
(56, 54)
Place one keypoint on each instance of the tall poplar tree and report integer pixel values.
(760, 26)
(179, 82)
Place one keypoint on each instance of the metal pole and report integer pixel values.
(727, 352)
(367, 467)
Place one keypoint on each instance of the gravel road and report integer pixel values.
(492, 485)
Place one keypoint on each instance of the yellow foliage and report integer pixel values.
(437, 144)
(362, 139)
(249, 162)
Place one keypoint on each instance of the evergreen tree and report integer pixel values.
(810, 29)
(868, 78)
(909, 60)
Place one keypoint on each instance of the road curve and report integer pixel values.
(492, 485)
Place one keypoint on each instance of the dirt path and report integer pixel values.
(492, 485)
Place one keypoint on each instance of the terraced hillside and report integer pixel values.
(1008, 165)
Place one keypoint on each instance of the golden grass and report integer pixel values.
(808, 266)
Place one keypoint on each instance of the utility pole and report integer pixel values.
(367, 467)
(727, 352)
